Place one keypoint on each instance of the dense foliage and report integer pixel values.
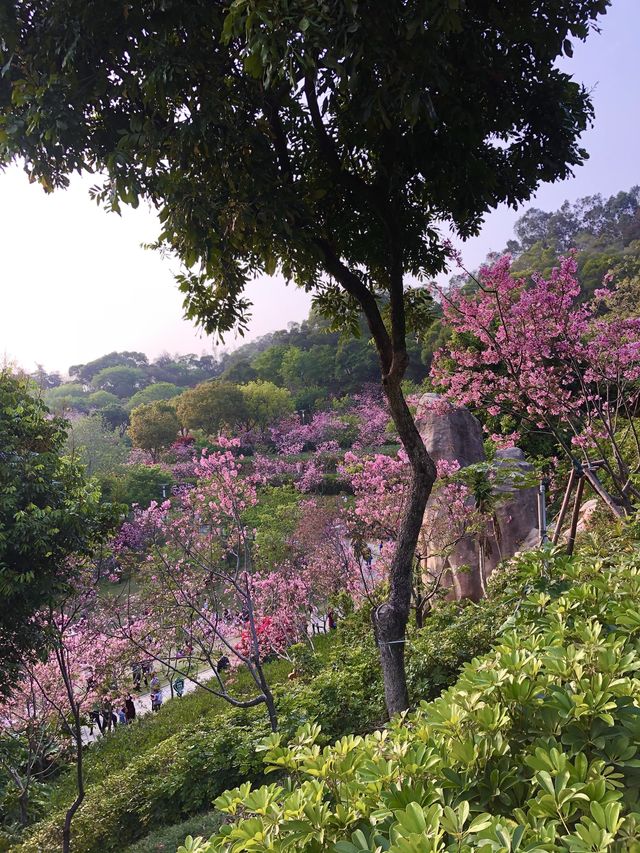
(534, 747)
(48, 511)
(174, 764)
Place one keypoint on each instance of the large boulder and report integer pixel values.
(450, 433)
(517, 511)
(453, 434)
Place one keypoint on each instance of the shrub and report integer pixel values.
(536, 747)
(167, 838)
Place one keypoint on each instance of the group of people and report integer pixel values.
(108, 713)
(105, 715)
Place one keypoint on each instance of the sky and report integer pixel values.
(76, 282)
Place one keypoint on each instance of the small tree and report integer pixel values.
(212, 407)
(265, 404)
(532, 350)
(198, 578)
(82, 664)
(47, 511)
(153, 392)
(154, 427)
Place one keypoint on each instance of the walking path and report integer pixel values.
(142, 701)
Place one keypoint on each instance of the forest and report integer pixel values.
(370, 582)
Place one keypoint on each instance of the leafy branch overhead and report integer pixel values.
(295, 135)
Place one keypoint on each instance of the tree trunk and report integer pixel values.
(73, 808)
(268, 698)
(23, 802)
(391, 617)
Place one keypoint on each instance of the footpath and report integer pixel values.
(142, 702)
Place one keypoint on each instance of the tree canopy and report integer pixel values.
(48, 512)
(211, 407)
(154, 426)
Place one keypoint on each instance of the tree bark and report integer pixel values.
(391, 617)
(73, 808)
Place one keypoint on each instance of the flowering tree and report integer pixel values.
(57, 693)
(199, 592)
(325, 553)
(534, 351)
(280, 600)
(381, 484)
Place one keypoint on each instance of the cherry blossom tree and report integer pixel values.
(198, 578)
(533, 350)
(57, 693)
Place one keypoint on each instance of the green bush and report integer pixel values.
(167, 838)
(535, 748)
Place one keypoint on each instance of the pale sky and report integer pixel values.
(76, 282)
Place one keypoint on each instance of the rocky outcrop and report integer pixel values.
(448, 432)
(454, 434)
(517, 512)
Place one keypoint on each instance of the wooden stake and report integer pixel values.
(574, 517)
(565, 505)
(600, 490)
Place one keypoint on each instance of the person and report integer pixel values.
(178, 686)
(107, 714)
(122, 716)
(155, 682)
(223, 664)
(156, 700)
(95, 718)
(136, 671)
(331, 618)
(145, 668)
(130, 709)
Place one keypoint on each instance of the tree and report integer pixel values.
(86, 372)
(115, 417)
(101, 399)
(96, 446)
(268, 364)
(532, 351)
(70, 395)
(212, 407)
(301, 368)
(335, 138)
(47, 511)
(45, 380)
(154, 426)
(200, 582)
(153, 392)
(138, 484)
(120, 380)
(265, 403)
(82, 665)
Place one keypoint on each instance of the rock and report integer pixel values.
(587, 511)
(454, 434)
(517, 512)
(449, 433)
(584, 519)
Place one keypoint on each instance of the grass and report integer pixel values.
(167, 839)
